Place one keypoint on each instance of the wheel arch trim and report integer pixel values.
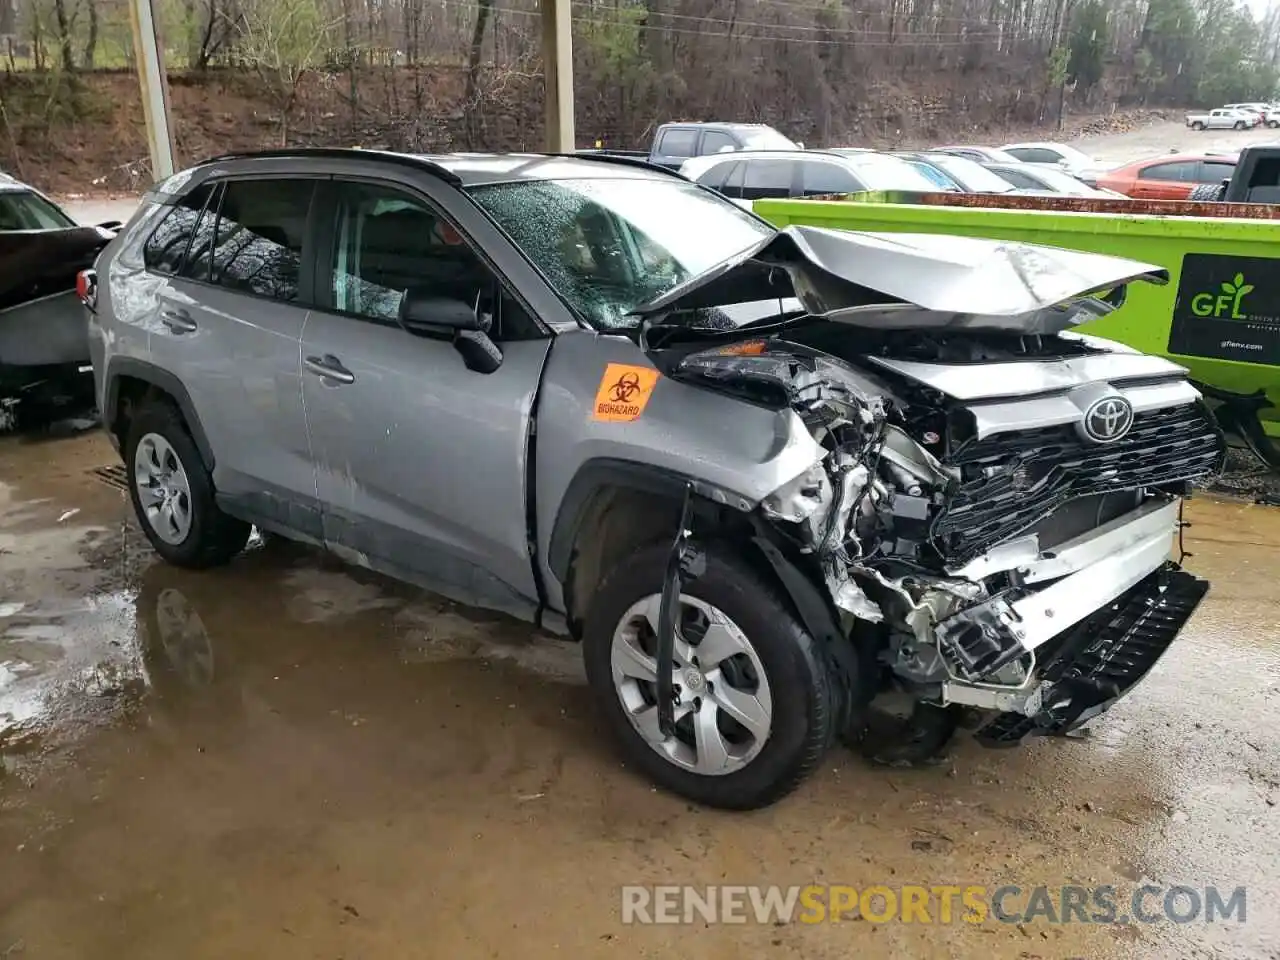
(121, 367)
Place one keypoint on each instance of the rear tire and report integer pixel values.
(1273, 123)
(1197, 125)
(1208, 192)
(792, 690)
(179, 516)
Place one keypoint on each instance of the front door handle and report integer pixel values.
(178, 321)
(330, 368)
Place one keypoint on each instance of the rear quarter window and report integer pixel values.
(166, 248)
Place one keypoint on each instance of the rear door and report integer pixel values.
(1172, 180)
(716, 141)
(421, 462)
(228, 322)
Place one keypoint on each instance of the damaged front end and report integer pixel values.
(979, 546)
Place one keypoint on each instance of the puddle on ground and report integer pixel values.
(307, 735)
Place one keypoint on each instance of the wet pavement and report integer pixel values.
(287, 759)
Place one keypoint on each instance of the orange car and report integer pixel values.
(1171, 177)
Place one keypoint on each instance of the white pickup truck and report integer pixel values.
(1223, 118)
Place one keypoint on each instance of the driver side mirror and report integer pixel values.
(426, 314)
(111, 225)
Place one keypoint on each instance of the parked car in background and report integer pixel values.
(674, 143)
(1059, 156)
(1029, 176)
(1255, 178)
(978, 154)
(1224, 118)
(1170, 177)
(754, 175)
(1256, 111)
(967, 175)
(44, 346)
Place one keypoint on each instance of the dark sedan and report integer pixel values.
(44, 351)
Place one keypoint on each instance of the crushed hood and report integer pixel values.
(834, 272)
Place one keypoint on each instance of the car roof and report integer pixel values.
(474, 169)
(726, 124)
(1034, 145)
(929, 155)
(850, 153)
(1178, 158)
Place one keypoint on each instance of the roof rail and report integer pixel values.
(624, 161)
(344, 153)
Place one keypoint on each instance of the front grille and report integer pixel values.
(1104, 656)
(1012, 481)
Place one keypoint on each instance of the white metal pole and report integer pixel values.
(148, 53)
(557, 64)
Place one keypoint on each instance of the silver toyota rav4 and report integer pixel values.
(766, 477)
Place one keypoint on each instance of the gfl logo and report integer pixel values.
(1224, 304)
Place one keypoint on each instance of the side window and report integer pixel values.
(678, 142)
(1168, 171)
(1035, 155)
(716, 176)
(1213, 172)
(386, 241)
(766, 178)
(165, 248)
(258, 236)
(713, 141)
(1019, 179)
(822, 177)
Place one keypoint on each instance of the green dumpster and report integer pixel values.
(1219, 316)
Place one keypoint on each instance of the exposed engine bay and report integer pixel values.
(997, 500)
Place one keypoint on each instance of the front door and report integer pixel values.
(421, 463)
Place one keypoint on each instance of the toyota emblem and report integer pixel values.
(1108, 420)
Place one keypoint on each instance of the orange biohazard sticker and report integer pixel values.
(624, 392)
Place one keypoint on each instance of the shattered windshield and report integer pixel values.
(608, 245)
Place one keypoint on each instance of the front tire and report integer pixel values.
(172, 492)
(756, 709)
(1239, 124)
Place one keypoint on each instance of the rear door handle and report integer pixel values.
(330, 368)
(179, 321)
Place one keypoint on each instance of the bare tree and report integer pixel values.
(283, 41)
